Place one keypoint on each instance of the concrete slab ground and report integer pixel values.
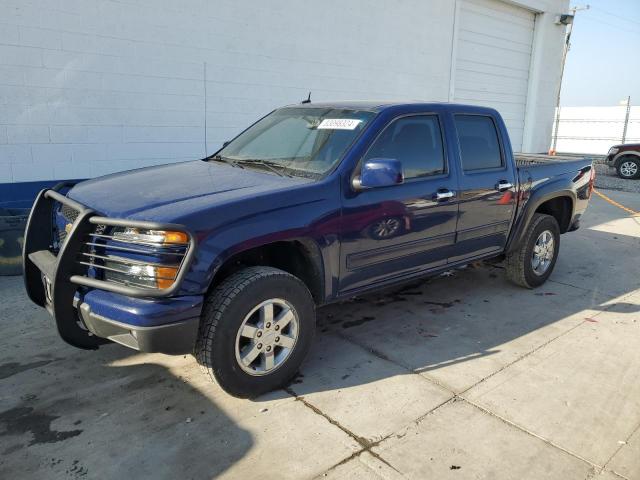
(461, 376)
(588, 378)
(625, 461)
(452, 442)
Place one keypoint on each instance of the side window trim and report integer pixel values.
(445, 153)
(503, 164)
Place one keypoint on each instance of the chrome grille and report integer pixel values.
(69, 213)
(64, 215)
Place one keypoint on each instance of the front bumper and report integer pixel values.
(172, 338)
(62, 285)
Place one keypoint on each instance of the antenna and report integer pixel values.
(204, 71)
(308, 100)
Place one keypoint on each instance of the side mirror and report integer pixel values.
(379, 172)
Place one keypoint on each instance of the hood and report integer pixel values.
(167, 192)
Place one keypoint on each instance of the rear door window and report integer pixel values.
(478, 140)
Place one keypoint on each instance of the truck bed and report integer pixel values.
(525, 159)
(549, 168)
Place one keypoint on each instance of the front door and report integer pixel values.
(402, 229)
(487, 188)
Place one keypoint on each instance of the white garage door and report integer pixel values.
(493, 57)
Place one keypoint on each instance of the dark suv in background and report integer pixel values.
(625, 159)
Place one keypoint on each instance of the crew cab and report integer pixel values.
(228, 257)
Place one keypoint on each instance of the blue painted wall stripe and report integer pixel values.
(22, 194)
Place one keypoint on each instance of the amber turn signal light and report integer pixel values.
(165, 276)
(175, 237)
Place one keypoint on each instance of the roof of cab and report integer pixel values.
(379, 106)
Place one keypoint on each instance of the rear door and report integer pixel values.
(486, 186)
(399, 230)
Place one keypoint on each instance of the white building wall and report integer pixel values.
(544, 78)
(88, 87)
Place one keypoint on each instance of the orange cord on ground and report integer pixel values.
(633, 213)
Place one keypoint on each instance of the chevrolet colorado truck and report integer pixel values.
(227, 257)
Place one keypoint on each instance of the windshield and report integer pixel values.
(297, 141)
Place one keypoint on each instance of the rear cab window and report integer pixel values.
(479, 144)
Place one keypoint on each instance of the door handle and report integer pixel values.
(503, 185)
(442, 195)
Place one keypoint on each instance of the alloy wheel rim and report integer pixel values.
(267, 336)
(628, 169)
(543, 251)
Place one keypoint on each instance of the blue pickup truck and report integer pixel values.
(227, 257)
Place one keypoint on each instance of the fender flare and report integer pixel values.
(538, 197)
(315, 255)
(624, 153)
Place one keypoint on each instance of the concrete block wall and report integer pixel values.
(89, 87)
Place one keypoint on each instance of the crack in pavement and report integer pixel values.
(602, 292)
(533, 434)
(527, 354)
(395, 433)
(626, 442)
(365, 443)
(615, 474)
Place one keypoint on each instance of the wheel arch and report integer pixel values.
(625, 153)
(300, 257)
(561, 208)
(560, 204)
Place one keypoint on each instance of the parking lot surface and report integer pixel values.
(460, 376)
(607, 178)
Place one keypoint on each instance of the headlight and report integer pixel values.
(138, 257)
(120, 270)
(613, 150)
(138, 235)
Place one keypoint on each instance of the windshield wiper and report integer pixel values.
(273, 166)
(220, 158)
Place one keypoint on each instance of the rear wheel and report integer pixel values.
(532, 263)
(256, 329)
(628, 167)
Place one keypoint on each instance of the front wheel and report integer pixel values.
(628, 167)
(532, 263)
(256, 329)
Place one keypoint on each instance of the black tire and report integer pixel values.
(518, 263)
(223, 314)
(624, 160)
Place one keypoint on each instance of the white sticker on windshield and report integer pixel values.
(338, 124)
